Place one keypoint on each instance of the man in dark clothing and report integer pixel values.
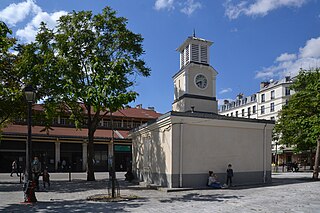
(229, 175)
(36, 170)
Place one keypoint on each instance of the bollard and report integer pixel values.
(20, 174)
(69, 173)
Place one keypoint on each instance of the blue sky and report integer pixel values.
(254, 40)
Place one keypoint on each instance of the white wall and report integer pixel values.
(186, 148)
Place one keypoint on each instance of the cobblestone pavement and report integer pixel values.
(289, 192)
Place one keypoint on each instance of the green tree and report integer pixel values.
(88, 65)
(11, 96)
(299, 121)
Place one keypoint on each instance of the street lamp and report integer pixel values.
(29, 183)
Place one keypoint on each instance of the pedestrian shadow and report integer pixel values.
(203, 198)
(74, 206)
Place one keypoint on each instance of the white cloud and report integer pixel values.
(164, 4)
(190, 6)
(29, 32)
(15, 13)
(312, 48)
(286, 57)
(290, 64)
(186, 6)
(225, 90)
(258, 8)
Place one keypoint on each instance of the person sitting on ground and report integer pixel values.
(46, 178)
(213, 181)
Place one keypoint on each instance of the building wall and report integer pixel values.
(152, 156)
(199, 145)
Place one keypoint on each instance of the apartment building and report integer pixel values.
(266, 104)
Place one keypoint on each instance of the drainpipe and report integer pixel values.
(264, 153)
(181, 157)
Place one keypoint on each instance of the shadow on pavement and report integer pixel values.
(277, 181)
(74, 206)
(197, 197)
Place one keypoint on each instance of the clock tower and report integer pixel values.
(195, 82)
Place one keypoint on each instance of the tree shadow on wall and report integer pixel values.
(150, 158)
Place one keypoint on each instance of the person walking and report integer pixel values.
(46, 178)
(14, 168)
(36, 170)
(229, 175)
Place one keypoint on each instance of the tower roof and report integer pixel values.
(195, 39)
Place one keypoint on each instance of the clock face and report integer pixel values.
(201, 81)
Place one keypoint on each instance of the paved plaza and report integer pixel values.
(289, 192)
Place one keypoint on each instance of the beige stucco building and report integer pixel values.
(179, 148)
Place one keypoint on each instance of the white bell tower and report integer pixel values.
(195, 82)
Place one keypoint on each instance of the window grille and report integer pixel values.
(195, 52)
(204, 54)
(187, 54)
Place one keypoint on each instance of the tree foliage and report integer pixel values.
(299, 121)
(11, 96)
(89, 59)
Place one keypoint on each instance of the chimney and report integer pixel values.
(287, 78)
(239, 96)
(151, 108)
(225, 101)
(192, 109)
(139, 106)
(263, 84)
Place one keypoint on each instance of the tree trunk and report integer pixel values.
(316, 161)
(90, 172)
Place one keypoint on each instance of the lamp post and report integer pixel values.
(29, 184)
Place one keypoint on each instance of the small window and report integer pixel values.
(254, 109)
(249, 113)
(287, 91)
(236, 113)
(63, 121)
(262, 110)
(263, 98)
(287, 101)
(272, 95)
(231, 114)
(271, 107)
(242, 113)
